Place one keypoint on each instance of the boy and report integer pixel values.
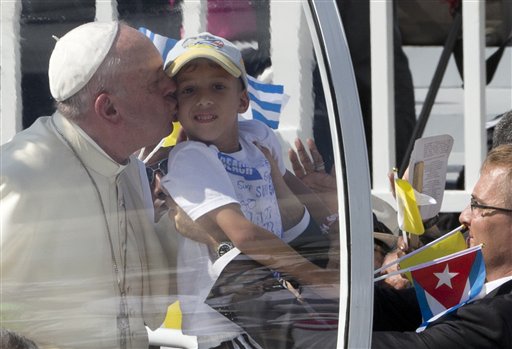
(224, 182)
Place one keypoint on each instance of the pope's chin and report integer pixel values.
(167, 131)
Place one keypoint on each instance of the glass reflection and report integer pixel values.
(274, 310)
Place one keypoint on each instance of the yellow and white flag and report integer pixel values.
(408, 200)
(171, 139)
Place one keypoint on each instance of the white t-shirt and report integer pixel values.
(200, 180)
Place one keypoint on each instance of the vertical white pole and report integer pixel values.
(473, 16)
(294, 65)
(194, 16)
(10, 70)
(383, 100)
(106, 10)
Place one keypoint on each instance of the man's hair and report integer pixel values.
(501, 157)
(12, 340)
(503, 130)
(103, 80)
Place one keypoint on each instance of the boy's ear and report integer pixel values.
(105, 107)
(244, 102)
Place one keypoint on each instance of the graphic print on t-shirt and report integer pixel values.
(255, 191)
(239, 168)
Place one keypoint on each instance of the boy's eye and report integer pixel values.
(218, 86)
(186, 90)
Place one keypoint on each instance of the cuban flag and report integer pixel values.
(266, 100)
(447, 283)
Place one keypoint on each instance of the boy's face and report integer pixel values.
(209, 100)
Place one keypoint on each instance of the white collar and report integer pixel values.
(491, 286)
(89, 151)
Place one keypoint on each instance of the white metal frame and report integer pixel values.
(356, 296)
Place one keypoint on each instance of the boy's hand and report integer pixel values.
(273, 163)
(291, 209)
(188, 228)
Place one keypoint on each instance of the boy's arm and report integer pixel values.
(267, 249)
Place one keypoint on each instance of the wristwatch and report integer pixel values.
(224, 247)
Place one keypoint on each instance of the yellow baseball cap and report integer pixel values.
(209, 46)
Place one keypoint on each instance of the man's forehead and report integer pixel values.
(489, 185)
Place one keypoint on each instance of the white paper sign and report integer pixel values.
(427, 170)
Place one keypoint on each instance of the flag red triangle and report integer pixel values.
(445, 281)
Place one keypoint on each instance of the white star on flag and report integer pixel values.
(445, 278)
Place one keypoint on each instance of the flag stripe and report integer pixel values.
(268, 97)
(422, 301)
(258, 116)
(269, 115)
(265, 105)
(263, 87)
(477, 275)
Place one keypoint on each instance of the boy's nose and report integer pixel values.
(204, 100)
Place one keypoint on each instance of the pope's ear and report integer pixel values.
(244, 102)
(105, 107)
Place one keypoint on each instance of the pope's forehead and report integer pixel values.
(132, 41)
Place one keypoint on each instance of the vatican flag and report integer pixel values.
(409, 217)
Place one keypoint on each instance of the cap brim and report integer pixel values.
(207, 53)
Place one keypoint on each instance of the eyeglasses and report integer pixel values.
(474, 205)
(160, 166)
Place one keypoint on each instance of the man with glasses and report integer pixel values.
(486, 321)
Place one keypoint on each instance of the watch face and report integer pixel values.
(223, 248)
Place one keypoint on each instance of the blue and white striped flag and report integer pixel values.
(162, 43)
(266, 100)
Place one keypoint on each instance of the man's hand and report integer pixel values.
(310, 168)
(311, 171)
(397, 281)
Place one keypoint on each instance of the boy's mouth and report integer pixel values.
(205, 117)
